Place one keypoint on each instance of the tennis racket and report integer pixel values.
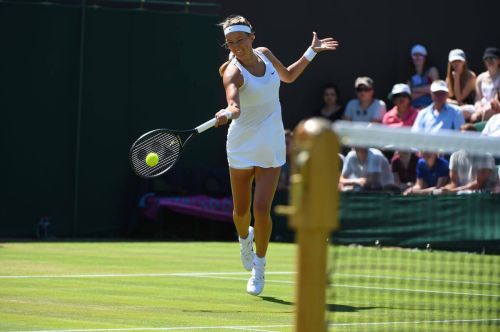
(167, 144)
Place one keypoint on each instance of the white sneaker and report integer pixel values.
(255, 284)
(246, 250)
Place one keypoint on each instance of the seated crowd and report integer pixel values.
(462, 102)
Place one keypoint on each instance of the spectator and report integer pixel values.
(365, 107)
(421, 77)
(331, 109)
(487, 87)
(471, 172)
(432, 174)
(404, 166)
(461, 83)
(440, 114)
(365, 169)
(492, 127)
(402, 114)
(403, 163)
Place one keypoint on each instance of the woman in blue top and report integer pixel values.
(421, 77)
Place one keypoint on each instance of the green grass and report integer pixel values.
(369, 286)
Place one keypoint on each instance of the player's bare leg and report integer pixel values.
(266, 181)
(241, 186)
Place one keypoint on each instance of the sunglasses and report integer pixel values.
(490, 58)
(363, 89)
(399, 97)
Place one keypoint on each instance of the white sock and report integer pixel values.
(260, 261)
(244, 239)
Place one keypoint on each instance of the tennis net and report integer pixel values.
(419, 238)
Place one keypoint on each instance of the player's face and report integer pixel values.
(240, 43)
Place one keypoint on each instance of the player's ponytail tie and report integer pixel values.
(222, 68)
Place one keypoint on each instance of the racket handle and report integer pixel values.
(207, 125)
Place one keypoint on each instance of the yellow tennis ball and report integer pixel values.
(152, 159)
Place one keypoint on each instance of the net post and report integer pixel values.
(314, 196)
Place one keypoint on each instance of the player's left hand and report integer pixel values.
(320, 45)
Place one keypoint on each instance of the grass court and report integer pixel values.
(197, 286)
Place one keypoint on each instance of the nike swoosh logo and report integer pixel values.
(273, 73)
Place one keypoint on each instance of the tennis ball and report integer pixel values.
(152, 159)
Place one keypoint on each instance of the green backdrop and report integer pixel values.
(141, 70)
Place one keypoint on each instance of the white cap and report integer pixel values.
(400, 88)
(363, 80)
(418, 49)
(456, 54)
(439, 85)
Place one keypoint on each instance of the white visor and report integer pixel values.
(237, 28)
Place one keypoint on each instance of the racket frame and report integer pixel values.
(191, 132)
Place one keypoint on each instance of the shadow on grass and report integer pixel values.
(330, 307)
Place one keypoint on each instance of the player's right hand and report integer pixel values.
(222, 117)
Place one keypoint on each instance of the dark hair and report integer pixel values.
(330, 85)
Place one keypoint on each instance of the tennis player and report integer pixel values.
(256, 137)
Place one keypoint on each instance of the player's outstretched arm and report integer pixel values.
(292, 72)
(232, 80)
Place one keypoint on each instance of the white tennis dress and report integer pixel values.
(257, 137)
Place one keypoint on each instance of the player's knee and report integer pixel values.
(239, 213)
(261, 211)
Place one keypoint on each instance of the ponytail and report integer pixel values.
(223, 67)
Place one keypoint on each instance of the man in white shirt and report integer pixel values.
(471, 172)
(492, 127)
(365, 169)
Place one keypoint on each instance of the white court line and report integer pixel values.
(363, 287)
(254, 327)
(219, 275)
(124, 275)
(190, 274)
(250, 329)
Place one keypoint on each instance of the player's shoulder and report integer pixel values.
(232, 74)
(264, 50)
(231, 71)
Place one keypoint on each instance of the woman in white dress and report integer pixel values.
(256, 137)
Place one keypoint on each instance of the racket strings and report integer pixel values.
(165, 144)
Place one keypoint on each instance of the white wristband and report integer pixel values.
(227, 113)
(309, 54)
